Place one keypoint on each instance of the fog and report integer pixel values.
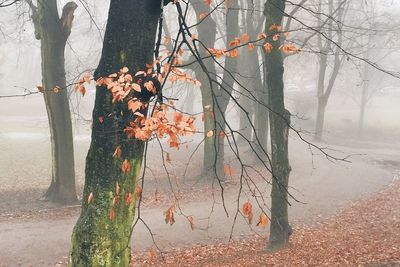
(353, 158)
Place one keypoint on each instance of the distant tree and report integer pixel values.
(327, 48)
(53, 32)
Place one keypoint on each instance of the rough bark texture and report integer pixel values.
(53, 33)
(279, 121)
(97, 239)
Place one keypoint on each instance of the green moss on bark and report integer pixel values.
(98, 240)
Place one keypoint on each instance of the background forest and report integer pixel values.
(199, 133)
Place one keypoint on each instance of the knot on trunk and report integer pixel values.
(67, 17)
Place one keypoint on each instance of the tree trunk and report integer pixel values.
(319, 125)
(280, 229)
(207, 30)
(365, 89)
(98, 239)
(324, 93)
(53, 33)
(261, 115)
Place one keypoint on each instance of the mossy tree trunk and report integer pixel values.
(53, 33)
(98, 239)
(279, 121)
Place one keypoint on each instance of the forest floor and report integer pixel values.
(350, 216)
(367, 233)
(37, 233)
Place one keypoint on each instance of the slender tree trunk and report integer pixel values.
(98, 239)
(363, 105)
(53, 33)
(207, 32)
(223, 95)
(319, 125)
(325, 93)
(280, 229)
(365, 89)
(261, 120)
(214, 99)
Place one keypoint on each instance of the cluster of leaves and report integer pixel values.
(181, 125)
(247, 210)
(287, 48)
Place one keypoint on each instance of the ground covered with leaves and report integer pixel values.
(365, 234)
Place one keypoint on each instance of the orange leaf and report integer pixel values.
(207, 2)
(275, 37)
(152, 255)
(112, 214)
(190, 219)
(288, 48)
(128, 198)
(139, 114)
(233, 53)
(166, 40)
(268, 47)
(262, 221)
(117, 188)
(202, 16)
(117, 152)
(138, 191)
(245, 37)
(124, 70)
(210, 133)
(90, 198)
(87, 77)
(136, 87)
(126, 166)
(275, 27)
(248, 211)
(115, 200)
(40, 88)
(234, 42)
(261, 35)
(228, 170)
(150, 87)
(82, 90)
(168, 157)
(169, 215)
(222, 134)
(140, 73)
(250, 47)
(134, 105)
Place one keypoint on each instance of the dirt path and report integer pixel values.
(326, 188)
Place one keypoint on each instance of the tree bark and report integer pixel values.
(53, 33)
(98, 239)
(280, 229)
